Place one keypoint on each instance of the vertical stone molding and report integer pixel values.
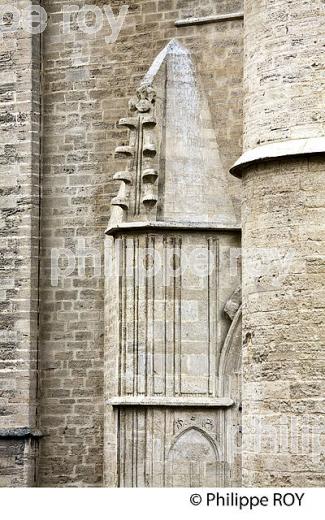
(19, 235)
(283, 172)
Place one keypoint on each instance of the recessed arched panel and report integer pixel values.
(193, 460)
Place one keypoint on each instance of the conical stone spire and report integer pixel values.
(174, 172)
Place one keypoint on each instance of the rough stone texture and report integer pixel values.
(283, 249)
(283, 319)
(17, 458)
(284, 84)
(87, 86)
(19, 238)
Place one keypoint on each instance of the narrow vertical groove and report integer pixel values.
(213, 355)
(132, 448)
(218, 483)
(165, 312)
(164, 450)
(134, 320)
(174, 321)
(209, 319)
(122, 318)
(119, 447)
(146, 317)
(135, 316)
(137, 313)
(124, 310)
(225, 461)
(145, 447)
(152, 327)
(124, 447)
(217, 342)
(180, 320)
(152, 447)
(136, 445)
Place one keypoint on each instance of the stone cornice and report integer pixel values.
(283, 149)
(209, 19)
(140, 400)
(19, 433)
(178, 226)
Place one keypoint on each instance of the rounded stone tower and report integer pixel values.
(283, 172)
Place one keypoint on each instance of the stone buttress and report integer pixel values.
(173, 308)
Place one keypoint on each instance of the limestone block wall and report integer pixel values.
(283, 246)
(284, 89)
(283, 320)
(19, 239)
(86, 88)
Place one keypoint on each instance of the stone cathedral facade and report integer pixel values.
(162, 224)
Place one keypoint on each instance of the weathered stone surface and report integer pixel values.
(19, 242)
(56, 372)
(283, 245)
(87, 87)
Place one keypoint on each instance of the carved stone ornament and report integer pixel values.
(145, 98)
